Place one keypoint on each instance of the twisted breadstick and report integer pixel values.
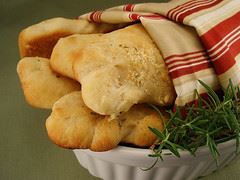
(73, 125)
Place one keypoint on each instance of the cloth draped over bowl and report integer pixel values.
(198, 39)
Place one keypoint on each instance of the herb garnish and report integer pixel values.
(214, 120)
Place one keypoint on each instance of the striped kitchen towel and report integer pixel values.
(199, 39)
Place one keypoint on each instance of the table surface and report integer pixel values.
(25, 150)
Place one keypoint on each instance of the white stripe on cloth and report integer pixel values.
(187, 66)
(225, 48)
(208, 20)
(220, 45)
(184, 86)
(181, 7)
(232, 73)
(194, 6)
(187, 61)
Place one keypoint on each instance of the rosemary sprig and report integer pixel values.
(214, 120)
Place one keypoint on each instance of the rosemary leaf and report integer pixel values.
(214, 120)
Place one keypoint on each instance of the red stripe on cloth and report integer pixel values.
(189, 70)
(95, 16)
(225, 48)
(220, 31)
(223, 43)
(187, 63)
(172, 61)
(227, 60)
(178, 63)
(179, 7)
(180, 17)
(128, 7)
(194, 4)
(134, 16)
(153, 16)
(182, 55)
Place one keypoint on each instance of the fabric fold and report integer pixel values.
(199, 39)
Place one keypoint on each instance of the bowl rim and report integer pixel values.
(132, 156)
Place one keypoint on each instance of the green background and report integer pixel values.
(25, 150)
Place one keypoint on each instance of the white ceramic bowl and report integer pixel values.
(126, 163)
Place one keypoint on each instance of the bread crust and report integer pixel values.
(121, 69)
(65, 50)
(40, 38)
(42, 86)
(73, 125)
(118, 71)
